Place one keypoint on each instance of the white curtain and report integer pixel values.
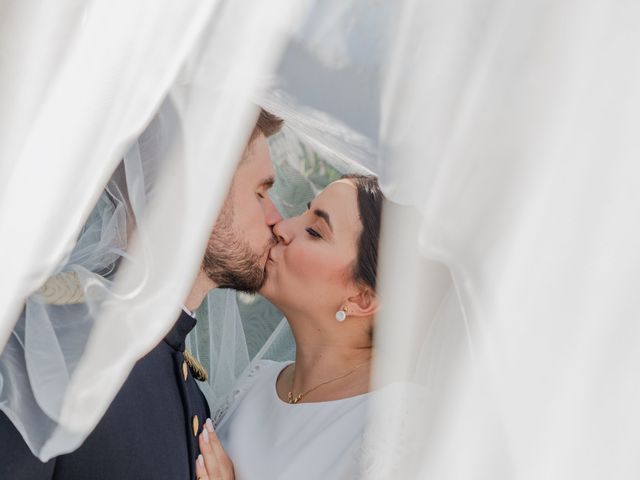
(504, 136)
(510, 127)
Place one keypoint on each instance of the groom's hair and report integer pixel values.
(267, 124)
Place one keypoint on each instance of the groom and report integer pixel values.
(150, 429)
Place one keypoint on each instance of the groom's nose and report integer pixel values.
(271, 213)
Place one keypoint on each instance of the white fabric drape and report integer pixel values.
(89, 104)
(504, 136)
(510, 127)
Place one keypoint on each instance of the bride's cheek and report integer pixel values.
(307, 267)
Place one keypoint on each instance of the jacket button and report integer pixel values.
(185, 370)
(195, 424)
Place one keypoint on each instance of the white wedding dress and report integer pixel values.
(267, 438)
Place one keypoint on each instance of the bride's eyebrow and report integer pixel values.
(323, 215)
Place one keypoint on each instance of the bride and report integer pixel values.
(305, 419)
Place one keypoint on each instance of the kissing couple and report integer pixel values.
(301, 419)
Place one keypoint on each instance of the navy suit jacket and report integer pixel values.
(148, 432)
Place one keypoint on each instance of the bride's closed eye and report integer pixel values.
(313, 233)
(310, 230)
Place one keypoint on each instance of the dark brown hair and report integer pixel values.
(267, 124)
(370, 209)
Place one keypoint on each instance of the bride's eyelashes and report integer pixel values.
(313, 233)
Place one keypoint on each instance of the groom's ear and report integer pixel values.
(364, 304)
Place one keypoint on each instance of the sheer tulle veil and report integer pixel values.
(504, 138)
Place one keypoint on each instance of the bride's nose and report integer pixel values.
(283, 231)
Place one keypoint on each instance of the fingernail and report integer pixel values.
(205, 434)
(201, 460)
(209, 425)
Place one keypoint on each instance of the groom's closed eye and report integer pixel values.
(264, 186)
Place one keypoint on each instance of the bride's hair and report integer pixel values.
(370, 209)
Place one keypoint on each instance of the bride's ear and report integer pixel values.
(364, 304)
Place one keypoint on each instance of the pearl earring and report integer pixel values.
(341, 314)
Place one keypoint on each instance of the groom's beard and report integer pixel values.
(229, 260)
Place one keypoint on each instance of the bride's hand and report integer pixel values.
(213, 463)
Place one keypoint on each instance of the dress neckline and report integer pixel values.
(274, 389)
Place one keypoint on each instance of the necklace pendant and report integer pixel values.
(293, 400)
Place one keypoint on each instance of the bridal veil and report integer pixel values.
(504, 136)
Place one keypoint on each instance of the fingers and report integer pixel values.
(217, 464)
(201, 471)
(207, 461)
(224, 461)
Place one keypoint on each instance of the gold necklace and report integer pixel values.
(296, 398)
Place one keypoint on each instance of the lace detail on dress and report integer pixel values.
(240, 388)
